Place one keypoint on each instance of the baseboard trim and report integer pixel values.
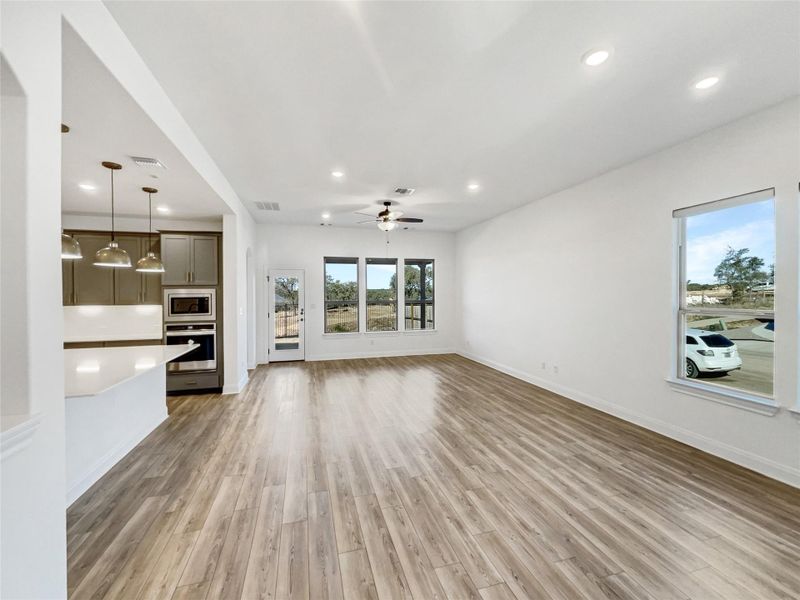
(112, 457)
(236, 387)
(735, 455)
(379, 354)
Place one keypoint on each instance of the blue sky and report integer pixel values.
(709, 235)
(378, 276)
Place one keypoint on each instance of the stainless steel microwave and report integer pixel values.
(191, 304)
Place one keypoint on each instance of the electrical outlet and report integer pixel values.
(555, 369)
(544, 366)
(372, 342)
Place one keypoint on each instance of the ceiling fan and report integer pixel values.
(388, 219)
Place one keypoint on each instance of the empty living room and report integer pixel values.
(455, 300)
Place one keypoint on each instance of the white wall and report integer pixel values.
(587, 278)
(32, 519)
(238, 236)
(299, 247)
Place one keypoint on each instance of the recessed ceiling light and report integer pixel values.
(595, 57)
(326, 215)
(706, 83)
(163, 209)
(86, 186)
(337, 174)
(473, 187)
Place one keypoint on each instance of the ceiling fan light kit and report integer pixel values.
(388, 219)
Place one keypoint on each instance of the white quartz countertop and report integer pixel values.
(92, 371)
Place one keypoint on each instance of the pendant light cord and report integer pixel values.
(113, 237)
(150, 224)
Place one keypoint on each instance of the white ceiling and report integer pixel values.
(106, 124)
(433, 95)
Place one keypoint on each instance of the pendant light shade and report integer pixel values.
(112, 255)
(70, 248)
(150, 263)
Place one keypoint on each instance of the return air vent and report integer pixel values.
(143, 161)
(267, 205)
(404, 191)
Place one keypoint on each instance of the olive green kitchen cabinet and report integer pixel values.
(190, 259)
(84, 283)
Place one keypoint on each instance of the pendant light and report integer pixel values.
(70, 248)
(150, 263)
(112, 255)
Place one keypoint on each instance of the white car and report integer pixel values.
(709, 352)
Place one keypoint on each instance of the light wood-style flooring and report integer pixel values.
(423, 477)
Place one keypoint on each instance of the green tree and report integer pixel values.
(740, 272)
(338, 290)
(412, 285)
(286, 288)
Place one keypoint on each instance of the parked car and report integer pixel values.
(709, 352)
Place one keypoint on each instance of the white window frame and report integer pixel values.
(340, 260)
(728, 395)
(382, 261)
(435, 319)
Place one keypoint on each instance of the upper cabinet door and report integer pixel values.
(151, 282)
(128, 282)
(66, 282)
(92, 285)
(204, 260)
(176, 256)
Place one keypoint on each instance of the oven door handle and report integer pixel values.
(194, 332)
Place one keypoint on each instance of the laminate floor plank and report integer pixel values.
(417, 478)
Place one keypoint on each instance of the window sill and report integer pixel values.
(390, 333)
(795, 412)
(742, 400)
(343, 334)
(420, 331)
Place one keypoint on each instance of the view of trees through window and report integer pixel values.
(419, 294)
(727, 262)
(341, 295)
(381, 294)
(287, 316)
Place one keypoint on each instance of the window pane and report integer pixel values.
(419, 294)
(287, 315)
(381, 294)
(733, 351)
(730, 257)
(341, 295)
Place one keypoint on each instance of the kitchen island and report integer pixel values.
(114, 398)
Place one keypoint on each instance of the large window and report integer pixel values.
(419, 293)
(726, 319)
(381, 294)
(341, 295)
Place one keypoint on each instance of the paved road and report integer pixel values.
(757, 368)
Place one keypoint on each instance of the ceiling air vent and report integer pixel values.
(267, 205)
(143, 161)
(404, 191)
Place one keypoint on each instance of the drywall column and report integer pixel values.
(32, 520)
(230, 319)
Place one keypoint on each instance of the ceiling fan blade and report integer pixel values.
(408, 220)
(358, 212)
(370, 221)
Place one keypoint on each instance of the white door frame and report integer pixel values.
(283, 354)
